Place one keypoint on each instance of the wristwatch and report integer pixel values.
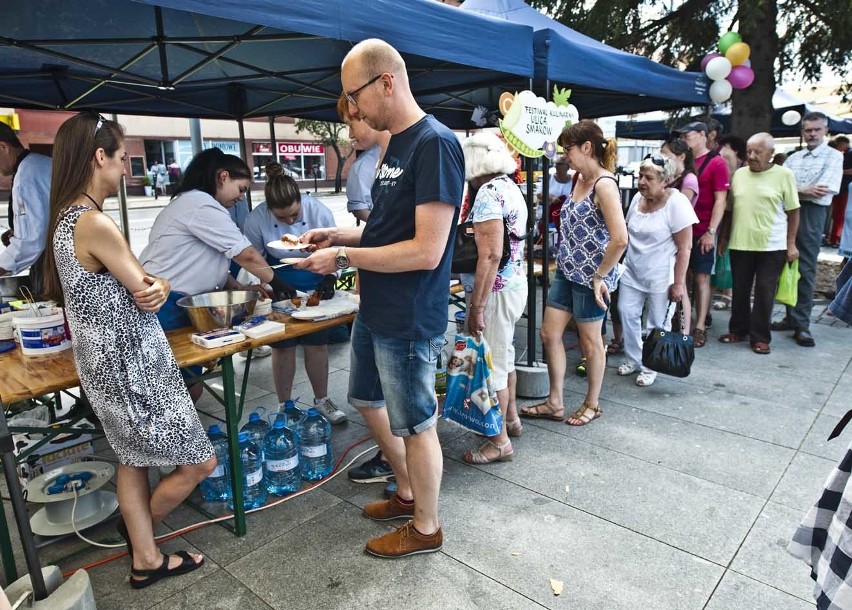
(341, 260)
(711, 231)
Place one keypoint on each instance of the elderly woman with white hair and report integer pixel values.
(496, 296)
(659, 229)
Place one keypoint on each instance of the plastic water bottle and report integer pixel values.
(256, 428)
(281, 460)
(293, 415)
(315, 446)
(551, 236)
(251, 458)
(217, 487)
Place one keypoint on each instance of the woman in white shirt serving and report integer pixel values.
(659, 229)
(287, 211)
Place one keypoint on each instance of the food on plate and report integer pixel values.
(297, 302)
(290, 240)
(314, 300)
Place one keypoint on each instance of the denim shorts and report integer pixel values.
(701, 263)
(395, 373)
(574, 298)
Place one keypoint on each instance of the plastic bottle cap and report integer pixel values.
(312, 412)
(243, 437)
(289, 404)
(214, 429)
(254, 417)
(278, 424)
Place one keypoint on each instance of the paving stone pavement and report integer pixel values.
(681, 496)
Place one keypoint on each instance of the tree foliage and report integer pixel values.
(330, 134)
(799, 38)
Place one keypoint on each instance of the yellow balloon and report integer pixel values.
(738, 53)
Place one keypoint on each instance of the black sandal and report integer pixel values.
(151, 576)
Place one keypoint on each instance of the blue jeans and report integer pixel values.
(395, 373)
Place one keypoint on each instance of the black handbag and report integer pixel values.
(668, 352)
(465, 253)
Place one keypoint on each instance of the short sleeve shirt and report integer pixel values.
(651, 249)
(501, 199)
(713, 178)
(360, 180)
(422, 164)
(192, 242)
(822, 165)
(690, 181)
(761, 203)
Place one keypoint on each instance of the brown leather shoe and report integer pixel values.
(405, 541)
(385, 510)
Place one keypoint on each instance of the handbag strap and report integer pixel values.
(670, 314)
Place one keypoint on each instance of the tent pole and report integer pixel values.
(272, 143)
(244, 154)
(122, 199)
(531, 207)
(195, 135)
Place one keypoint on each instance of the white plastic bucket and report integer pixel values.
(44, 334)
(6, 329)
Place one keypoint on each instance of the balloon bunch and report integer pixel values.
(730, 68)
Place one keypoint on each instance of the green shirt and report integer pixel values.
(761, 203)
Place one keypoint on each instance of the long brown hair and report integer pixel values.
(604, 150)
(73, 169)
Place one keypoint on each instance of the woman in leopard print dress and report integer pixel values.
(123, 359)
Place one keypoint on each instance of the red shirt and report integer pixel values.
(713, 179)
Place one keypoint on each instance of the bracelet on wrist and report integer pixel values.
(598, 276)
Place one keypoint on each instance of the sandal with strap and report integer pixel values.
(542, 411)
(616, 346)
(646, 378)
(724, 302)
(759, 347)
(627, 368)
(580, 415)
(731, 338)
(505, 453)
(514, 427)
(149, 577)
(699, 337)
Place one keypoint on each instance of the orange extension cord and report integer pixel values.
(337, 470)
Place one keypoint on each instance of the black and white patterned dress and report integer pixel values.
(126, 365)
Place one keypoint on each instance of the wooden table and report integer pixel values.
(24, 377)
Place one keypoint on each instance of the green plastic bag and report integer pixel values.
(788, 284)
(722, 277)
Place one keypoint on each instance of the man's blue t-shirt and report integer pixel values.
(422, 164)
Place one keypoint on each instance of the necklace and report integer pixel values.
(95, 203)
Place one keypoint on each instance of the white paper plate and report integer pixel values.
(340, 305)
(280, 245)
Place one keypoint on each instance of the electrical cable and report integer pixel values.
(189, 528)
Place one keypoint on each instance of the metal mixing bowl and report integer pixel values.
(221, 309)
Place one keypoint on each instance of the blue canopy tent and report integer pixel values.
(604, 81)
(235, 58)
(781, 101)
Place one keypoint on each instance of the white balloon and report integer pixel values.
(718, 68)
(791, 117)
(720, 91)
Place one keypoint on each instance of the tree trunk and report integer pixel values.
(752, 107)
(338, 175)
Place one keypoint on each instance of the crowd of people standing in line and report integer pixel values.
(699, 197)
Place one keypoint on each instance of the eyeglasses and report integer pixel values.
(350, 97)
(100, 123)
(657, 160)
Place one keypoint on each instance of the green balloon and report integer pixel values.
(727, 39)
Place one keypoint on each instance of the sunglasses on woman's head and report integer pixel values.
(658, 160)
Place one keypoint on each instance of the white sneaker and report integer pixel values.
(261, 351)
(330, 411)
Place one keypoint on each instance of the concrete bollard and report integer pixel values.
(533, 381)
(73, 594)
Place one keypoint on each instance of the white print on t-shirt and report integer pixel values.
(387, 175)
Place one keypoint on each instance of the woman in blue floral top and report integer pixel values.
(496, 297)
(593, 238)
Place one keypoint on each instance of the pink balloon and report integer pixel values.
(741, 77)
(707, 58)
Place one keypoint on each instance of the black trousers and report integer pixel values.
(761, 270)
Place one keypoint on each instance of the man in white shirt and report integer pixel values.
(29, 207)
(818, 169)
